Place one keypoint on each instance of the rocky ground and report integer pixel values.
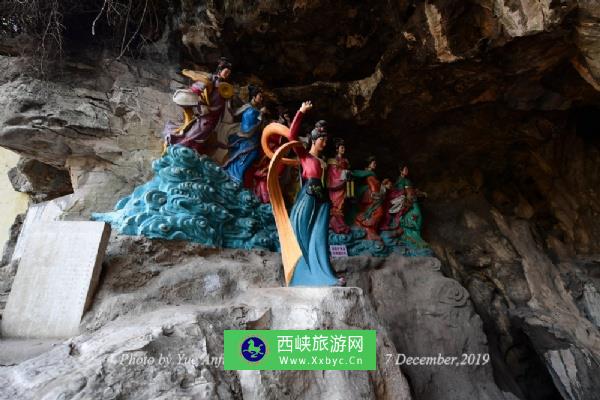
(170, 299)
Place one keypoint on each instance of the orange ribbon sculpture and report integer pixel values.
(290, 249)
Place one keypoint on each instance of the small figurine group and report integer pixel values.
(377, 205)
(208, 128)
(319, 190)
(210, 95)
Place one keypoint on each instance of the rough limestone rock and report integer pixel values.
(14, 232)
(537, 307)
(97, 366)
(100, 122)
(415, 301)
(7, 275)
(41, 181)
(181, 310)
(170, 298)
(553, 317)
(588, 30)
(318, 308)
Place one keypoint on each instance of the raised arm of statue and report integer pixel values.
(295, 127)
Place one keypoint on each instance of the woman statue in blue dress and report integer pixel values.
(305, 247)
(244, 145)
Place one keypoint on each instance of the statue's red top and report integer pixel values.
(311, 165)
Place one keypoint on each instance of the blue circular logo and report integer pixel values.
(253, 349)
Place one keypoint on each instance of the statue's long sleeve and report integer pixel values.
(295, 131)
(198, 87)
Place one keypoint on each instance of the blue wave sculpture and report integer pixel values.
(357, 245)
(192, 198)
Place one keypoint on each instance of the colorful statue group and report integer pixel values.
(380, 206)
(331, 204)
(210, 94)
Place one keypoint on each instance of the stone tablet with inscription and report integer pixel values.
(46, 211)
(56, 279)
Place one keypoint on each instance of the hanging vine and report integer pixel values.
(42, 29)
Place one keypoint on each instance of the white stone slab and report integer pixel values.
(56, 279)
(42, 212)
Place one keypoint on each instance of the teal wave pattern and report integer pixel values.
(191, 198)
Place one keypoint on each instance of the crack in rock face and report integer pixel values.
(434, 20)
